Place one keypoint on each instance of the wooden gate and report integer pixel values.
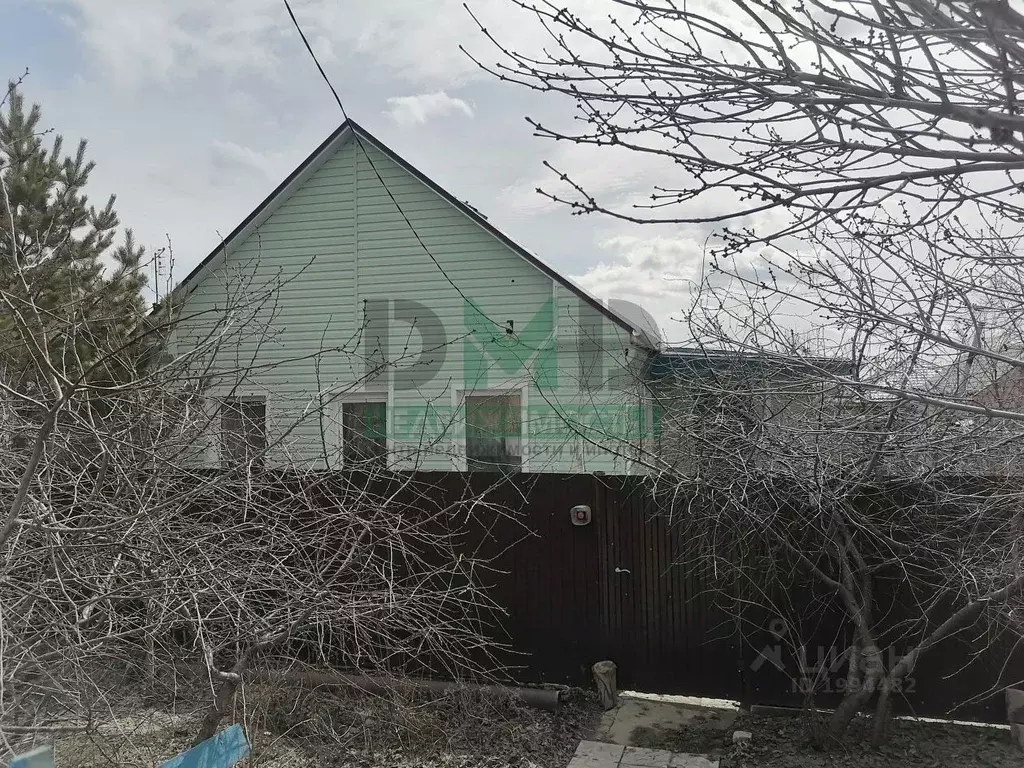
(613, 589)
(659, 611)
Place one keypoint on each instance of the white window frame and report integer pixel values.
(459, 458)
(385, 396)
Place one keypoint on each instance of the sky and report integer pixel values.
(194, 111)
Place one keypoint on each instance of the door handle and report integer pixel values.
(621, 570)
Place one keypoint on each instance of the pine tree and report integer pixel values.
(68, 293)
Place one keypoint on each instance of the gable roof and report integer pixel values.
(351, 129)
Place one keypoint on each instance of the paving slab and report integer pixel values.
(594, 754)
(599, 750)
(645, 758)
(618, 725)
(681, 760)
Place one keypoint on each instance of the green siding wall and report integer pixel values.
(340, 240)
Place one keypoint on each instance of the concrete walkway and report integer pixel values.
(621, 725)
(596, 754)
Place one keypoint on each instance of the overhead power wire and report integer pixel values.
(359, 142)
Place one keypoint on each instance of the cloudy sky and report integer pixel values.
(195, 110)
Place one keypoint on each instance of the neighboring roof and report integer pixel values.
(331, 144)
(972, 373)
(678, 360)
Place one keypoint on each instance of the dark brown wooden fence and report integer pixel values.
(619, 588)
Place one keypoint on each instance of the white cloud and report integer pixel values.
(608, 174)
(651, 267)
(232, 160)
(416, 110)
(155, 40)
(618, 179)
(655, 272)
(151, 40)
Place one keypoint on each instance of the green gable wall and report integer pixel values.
(311, 280)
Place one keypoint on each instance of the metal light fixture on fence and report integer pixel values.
(580, 514)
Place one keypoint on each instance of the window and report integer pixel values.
(243, 427)
(364, 434)
(493, 433)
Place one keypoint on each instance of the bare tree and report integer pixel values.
(125, 554)
(835, 113)
(852, 400)
(807, 499)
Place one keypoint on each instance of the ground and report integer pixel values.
(784, 742)
(324, 729)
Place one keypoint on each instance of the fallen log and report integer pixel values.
(538, 698)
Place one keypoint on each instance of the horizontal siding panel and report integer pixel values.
(382, 168)
(310, 332)
(323, 199)
(480, 274)
(296, 236)
(469, 261)
(320, 212)
(419, 219)
(339, 225)
(426, 228)
(296, 264)
(463, 245)
(384, 245)
(319, 231)
(416, 209)
(372, 203)
(341, 191)
(452, 310)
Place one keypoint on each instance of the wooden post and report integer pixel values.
(1015, 715)
(604, 676)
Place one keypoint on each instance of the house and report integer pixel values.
(728, 410)
(361, 315)
(984, 442)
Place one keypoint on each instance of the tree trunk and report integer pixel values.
(853, 674)
(883, 712)
(222, 701)
(217, 710)
(1015, 715)
(869, 670)
(846, 711)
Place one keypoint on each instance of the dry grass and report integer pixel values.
(326, 728)
(786, 742)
